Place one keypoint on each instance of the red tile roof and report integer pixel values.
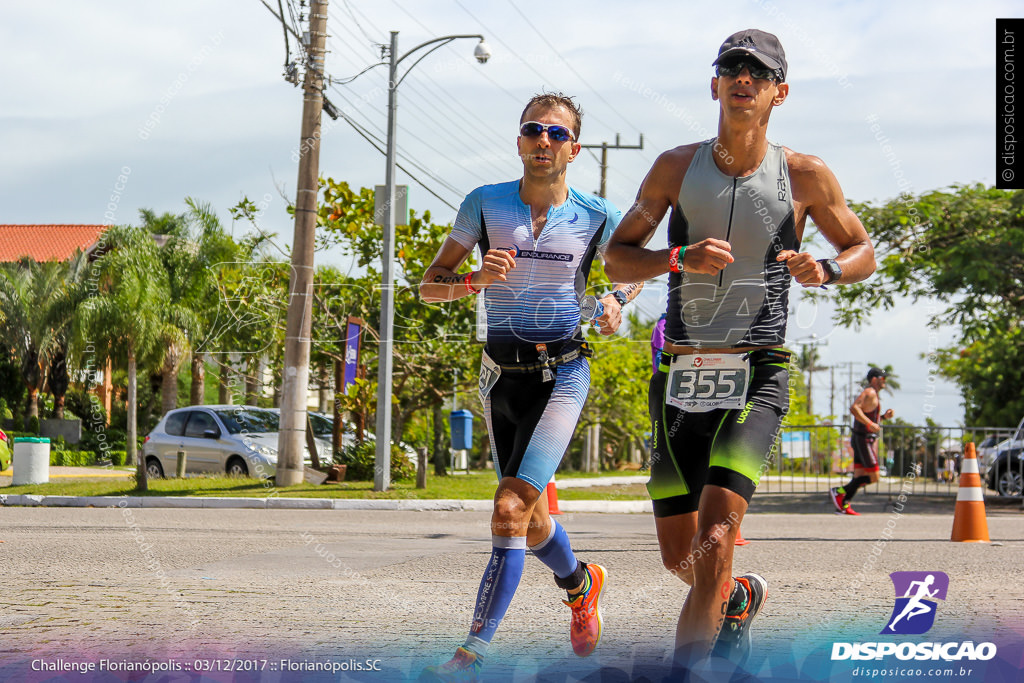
(46, 242)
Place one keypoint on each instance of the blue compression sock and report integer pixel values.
(497, 587)
(556, 552)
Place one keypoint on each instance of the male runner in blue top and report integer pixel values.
(538, 237)
(739, 204)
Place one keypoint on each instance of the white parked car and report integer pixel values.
(236, 440)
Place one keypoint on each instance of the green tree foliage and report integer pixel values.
(196, 246)
(128, 311)
(620, 372)
(990, 374)
(962, 247)
(35, 300)
(432, 342)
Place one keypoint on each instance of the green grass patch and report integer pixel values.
(473, 486)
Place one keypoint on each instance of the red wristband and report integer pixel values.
(675, 259)
(469, 287)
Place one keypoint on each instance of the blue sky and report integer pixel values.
(188, 97)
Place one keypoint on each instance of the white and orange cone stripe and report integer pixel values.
(969, 523)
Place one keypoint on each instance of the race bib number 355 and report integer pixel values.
(700, 383)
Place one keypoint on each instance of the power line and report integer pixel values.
(352, 123)
(438, 124)
(570, 66)
(524, 62)
(358, 25)
(367, 137)
(408, 157)
(501, 42)
(438, 104)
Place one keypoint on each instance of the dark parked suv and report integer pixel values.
(1006, 473)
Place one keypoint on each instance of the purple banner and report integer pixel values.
(353, 336)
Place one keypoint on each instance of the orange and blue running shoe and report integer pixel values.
(733, 642)
(463, 667)
(585, 627)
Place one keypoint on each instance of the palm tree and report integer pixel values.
(196, 247)
(61, 317)
(807, 361)
(129, 313)
(29, 295)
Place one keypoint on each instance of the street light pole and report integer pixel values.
(382, 459)
(385, 360)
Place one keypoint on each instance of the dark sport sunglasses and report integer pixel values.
(757, 70)
(532, 129)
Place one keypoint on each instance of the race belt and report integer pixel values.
(544, 363)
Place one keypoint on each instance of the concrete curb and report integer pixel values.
(609, 506)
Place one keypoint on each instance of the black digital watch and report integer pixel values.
(832, 270)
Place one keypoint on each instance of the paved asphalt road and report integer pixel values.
(393, 590)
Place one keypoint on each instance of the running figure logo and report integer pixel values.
(914, 612)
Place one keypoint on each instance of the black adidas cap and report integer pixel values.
(762, 46)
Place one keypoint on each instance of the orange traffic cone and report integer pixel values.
(552, 497)
(969, 523)
(739, 538)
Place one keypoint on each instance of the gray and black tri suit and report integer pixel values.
(744, 305)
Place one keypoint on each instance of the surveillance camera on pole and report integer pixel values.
(482, 51)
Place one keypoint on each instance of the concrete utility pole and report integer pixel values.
(295, 383)
(604, 147)
(832, 393)
(851, 389)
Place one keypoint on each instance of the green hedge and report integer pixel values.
(72, 458)
(20, 435)
(359, 460)
(118, 458)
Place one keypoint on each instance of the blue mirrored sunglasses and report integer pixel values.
(533, 129)
(757, 70)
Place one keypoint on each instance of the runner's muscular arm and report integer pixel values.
(442, 283)
(816, 193)
(627, 258)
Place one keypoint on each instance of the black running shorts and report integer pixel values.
(727, 448)
(865, 451)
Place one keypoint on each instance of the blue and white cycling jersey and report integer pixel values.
(539, 302)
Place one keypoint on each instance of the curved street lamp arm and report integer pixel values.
(437, 40)
(413, 65)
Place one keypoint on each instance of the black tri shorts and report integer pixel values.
(865, 450)
(727, 448)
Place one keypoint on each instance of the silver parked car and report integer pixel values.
(236, 440)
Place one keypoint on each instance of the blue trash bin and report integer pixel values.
(462, 429)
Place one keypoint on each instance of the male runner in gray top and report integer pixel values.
(739, 205)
